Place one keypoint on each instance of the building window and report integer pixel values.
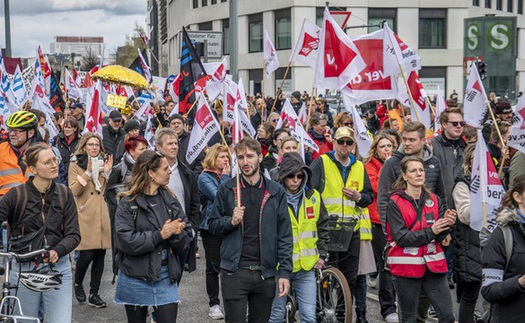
(204, 3)
(256, 76)
(226, 36)
(224, 0)
(432, 28)
(255, 33)
(206, 25)
(487, 3)
(520, 7)
(287, 84)
(195, 4)
(510, 5)
(283, 29)
(376, 16)
(213, 1)
(475, 2)
(499, 4)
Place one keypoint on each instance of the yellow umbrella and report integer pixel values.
(122, 75)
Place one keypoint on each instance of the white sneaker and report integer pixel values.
(371, 281)
(216, 312)
(392, 318)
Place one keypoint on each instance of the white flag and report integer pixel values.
(364, 142)
(288, 114)
(441, 105)
(229, 101)
(338, 60)
(485, 187)
(72, 88)
(305, 50)
(204, 127)
(517, 131)
(270, 56)
(217, 72)
(475, 99)
(19, 90)
(396, 52)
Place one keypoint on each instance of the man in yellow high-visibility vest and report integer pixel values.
(309, 220)
(346, 191)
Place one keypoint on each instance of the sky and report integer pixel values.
(37, 22)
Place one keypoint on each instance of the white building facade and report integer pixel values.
(79, 45)
(434, 29)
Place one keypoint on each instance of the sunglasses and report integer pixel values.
(457, 123)
(292, 176)
(348, 124)
(275, 120)
(347, 142)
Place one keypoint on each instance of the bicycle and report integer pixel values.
(334, 299)
(10, 303)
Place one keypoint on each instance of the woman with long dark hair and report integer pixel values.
(66, 141)
(416, 258)
(151, 232)
(503, 258)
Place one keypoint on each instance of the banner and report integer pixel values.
(339, 60)
(94, 115)
(485, 187)
(517, 131)
(204, 127)
(371, 83)
(56, 98)
(475, 99)
(306, 48)
(288, 114)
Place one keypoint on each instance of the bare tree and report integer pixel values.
(90, 60)
(128, 53)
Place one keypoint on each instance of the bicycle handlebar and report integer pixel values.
(32, 254)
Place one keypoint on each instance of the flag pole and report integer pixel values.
(189, 110)
(279, 90)
(238, 180)
(310, 111)
(262, 90)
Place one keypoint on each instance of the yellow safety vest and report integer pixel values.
(337, 203)
(304, 231)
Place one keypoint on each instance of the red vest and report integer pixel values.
(413, 261)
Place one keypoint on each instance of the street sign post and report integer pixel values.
(211, 39)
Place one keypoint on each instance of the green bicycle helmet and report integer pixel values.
(22, 120)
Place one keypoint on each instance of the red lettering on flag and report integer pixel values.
(310, 44)
(203, 117)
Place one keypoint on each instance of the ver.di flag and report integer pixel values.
(485, 189)
(364, 142)
(94, 113)
(270, 56)
(288, 114)
(338, 60)
(475, 99)
(204, 127)
(72, 88)
(371, 83)
(305, 50)
(421, 110)
(396, 52)
(517, 131)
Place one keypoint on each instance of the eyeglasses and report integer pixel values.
(16, 131)
(93, 145)
(347, 142)
(292, 176)
(457, 123)
(275, 120)
(348, 124)
(52, 162)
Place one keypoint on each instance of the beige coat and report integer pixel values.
(93, 215)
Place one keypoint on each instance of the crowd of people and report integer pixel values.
(264, 221)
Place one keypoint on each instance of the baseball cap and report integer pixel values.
(344, 132)
(115, 115)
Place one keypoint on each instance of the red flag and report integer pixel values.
(94, 120)
(339, 60)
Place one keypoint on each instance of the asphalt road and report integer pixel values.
(194, 300)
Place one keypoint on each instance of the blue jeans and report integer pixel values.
(304, 284)
(57, 303)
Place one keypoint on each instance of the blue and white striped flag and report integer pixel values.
(19, 90)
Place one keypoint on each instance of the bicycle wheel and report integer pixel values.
(290, 309)
(334, 302)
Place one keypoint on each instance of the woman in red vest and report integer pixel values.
(416, 235)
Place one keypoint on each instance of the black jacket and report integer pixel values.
(62, 229)
(275, 230)
(140, 243)
(500, 286)
(450, 155)
(66, 150)
(392, 170)
(112, 140)
(467, 254)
